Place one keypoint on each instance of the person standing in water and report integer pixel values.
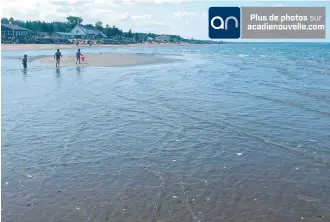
(24, 61)
(78, 54)
(58, 56)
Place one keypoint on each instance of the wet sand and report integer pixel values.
(105, 60)
(15, 47)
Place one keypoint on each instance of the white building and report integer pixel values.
(163, 38)
(81, 32)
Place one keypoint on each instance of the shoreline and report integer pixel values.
(106, 60)
(21, 47)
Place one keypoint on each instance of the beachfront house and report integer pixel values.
(64, 35)
(80, 32)
(45, 34)
(11, 30)
(163, 38)
(149, 39)
(83, 33)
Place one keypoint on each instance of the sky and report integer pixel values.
(187, 18)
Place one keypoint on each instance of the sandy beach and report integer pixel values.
(105, 60)
(15, 47)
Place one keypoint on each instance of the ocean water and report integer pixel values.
(235, 132)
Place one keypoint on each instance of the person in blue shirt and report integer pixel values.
(78, 54)
(58, 56)
(24, 61)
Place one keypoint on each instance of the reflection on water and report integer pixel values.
(78, 70)
(58, 76)
(233, 133)
(24, 71)
(58, 71)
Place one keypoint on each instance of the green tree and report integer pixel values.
(89, 26)
(73, 20)
(130, 33)
(4, 21)
(98, 24)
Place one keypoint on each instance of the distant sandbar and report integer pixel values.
(106, 60)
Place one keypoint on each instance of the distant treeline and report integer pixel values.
(115, 35)
(51, 27)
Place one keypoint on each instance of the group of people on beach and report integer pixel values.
(76, 42)
(57, 57)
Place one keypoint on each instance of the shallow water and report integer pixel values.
(228, 133)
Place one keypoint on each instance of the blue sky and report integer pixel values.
(187, 18)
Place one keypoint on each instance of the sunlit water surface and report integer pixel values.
(227, 133)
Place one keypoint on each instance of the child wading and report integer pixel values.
(58, 56)
(24, 61)
(78, 54)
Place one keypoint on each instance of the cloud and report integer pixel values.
(60, 2)
(127, 17)
(141, 17)
(154, 26)
(138, 15)
(141, 23)
(125, 2)
(154, 23)
(170, 1)
(58, 10)
(134, 2)
(184, 14)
